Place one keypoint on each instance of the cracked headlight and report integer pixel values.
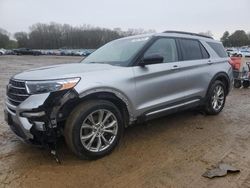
(37, 87)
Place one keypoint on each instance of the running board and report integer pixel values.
(172, 107)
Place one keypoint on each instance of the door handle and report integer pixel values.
(175, 67)
(209, 62)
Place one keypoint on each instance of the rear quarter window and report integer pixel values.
(192, 50)
(218, 48)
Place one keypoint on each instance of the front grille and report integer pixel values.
(16, 92)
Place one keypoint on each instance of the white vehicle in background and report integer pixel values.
(244, 53)
(79, 53)
(2, 51)
(232, 51)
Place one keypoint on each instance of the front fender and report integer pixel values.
(117, 93)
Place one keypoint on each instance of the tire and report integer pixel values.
(82, 114)
(237, 83)
(1, 53)
(212, 107)
(246, 83)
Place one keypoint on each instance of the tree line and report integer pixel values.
(5, 41)
(55, 36)
(237, 39)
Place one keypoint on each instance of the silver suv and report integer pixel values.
(126, 81)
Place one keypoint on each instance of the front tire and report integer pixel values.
(216, 98)
(93, 129)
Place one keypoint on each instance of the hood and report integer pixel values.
(61, 71)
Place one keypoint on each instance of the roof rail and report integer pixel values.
(188, 33)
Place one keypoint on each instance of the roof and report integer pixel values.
(181, 34)
(188, 33)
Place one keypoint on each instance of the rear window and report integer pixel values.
(218, 48)
(192, 50)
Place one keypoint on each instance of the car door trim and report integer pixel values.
(172, 107)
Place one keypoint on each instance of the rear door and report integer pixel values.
(195, 66)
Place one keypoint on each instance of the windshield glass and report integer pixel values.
(117, 52)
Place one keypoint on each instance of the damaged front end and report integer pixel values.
(37, 118)
(49, 126)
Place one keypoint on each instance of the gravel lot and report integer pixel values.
(173, 151)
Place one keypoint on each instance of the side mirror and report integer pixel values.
(151, 59)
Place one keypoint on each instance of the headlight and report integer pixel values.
(36, 87)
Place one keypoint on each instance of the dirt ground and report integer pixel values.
(173, 151)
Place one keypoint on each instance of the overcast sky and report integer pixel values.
(186, 15)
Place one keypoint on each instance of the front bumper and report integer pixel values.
(20, 124)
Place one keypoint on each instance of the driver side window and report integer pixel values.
(165, 47)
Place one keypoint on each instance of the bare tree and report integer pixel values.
(54, 36)
(22, 39)
(207, 33)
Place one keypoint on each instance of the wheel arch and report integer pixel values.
(223, 77)
(117, 98)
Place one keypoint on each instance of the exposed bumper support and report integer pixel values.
(38, 113)
(13, 114)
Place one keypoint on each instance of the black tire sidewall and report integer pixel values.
(79, 148)
(237, 83)
(246, 84)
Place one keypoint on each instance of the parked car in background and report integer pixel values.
(43, 52)
(27, 51)
(244, 53)
(89, 51)
(9, 52)
(79, 53)
(52, 52)
(126, 81)
(84, 52)
(66, 52)
(56, 52)
(232, 52)
(2, 51)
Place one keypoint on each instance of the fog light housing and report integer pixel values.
(33, 114)
(40, 126)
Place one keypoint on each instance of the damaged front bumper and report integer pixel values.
(35, 120)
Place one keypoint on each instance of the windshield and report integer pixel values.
(118, 52)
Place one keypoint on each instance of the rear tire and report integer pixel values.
(93, 129)
(237, 83)
(246, 83)
(216, 98)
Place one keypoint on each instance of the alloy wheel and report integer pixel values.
(98, 130)
(218, 98)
